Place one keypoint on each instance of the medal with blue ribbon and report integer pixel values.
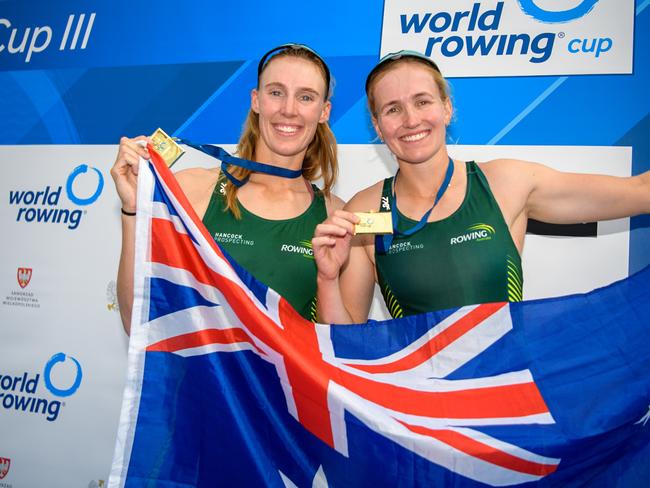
(226, 159)
(383, 242)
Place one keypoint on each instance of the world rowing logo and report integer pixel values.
(557, 16)
(47, 376)
(69, 188)
(22, 393)
(83, 187)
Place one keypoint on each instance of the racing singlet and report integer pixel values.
(466, 258)
(277, 252)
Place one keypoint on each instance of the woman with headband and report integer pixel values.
(424, 265)
(264, 219)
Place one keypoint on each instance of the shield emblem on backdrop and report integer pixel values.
(24, 275)
(4, 465)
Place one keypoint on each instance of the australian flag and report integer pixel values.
(229, 386)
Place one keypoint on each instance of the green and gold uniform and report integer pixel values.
(466, 258)
(276, 252)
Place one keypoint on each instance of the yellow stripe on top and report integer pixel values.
(515, 282)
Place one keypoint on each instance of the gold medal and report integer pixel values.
(166, 147)
(374, 223)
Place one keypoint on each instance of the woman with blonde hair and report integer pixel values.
(265, 217)
(458, 227)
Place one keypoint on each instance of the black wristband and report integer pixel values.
(130, 214)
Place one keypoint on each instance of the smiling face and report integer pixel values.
(409, 112)
(290, 103)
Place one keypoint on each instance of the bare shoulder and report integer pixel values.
(497, 166)
(198, 185)
(367, 200)
(512, 182)
(499, 169)
(512, 175)
(194, 180)
(333, 203)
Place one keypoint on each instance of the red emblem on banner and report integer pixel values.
(4, 465)
(24, 275)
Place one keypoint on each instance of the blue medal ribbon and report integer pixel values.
(383, 242)
(226, 159)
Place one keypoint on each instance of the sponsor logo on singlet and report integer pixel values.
(385, 204)
(476, 232)
(399, 247)
(303, 248)
(229, 238)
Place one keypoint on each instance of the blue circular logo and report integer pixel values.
(83, 168)
(60, 358)
(554, 17)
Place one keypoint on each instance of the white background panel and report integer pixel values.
(72, 270)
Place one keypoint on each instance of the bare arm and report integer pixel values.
(357, 280)
(125, 174)
(125, 272)
(572, 198)
(343, 271)
(346, 276)
(530, 190)
(196, 183)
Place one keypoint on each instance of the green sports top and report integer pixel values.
(466, 258)
(277, 252)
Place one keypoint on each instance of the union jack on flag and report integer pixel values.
(229, 386)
